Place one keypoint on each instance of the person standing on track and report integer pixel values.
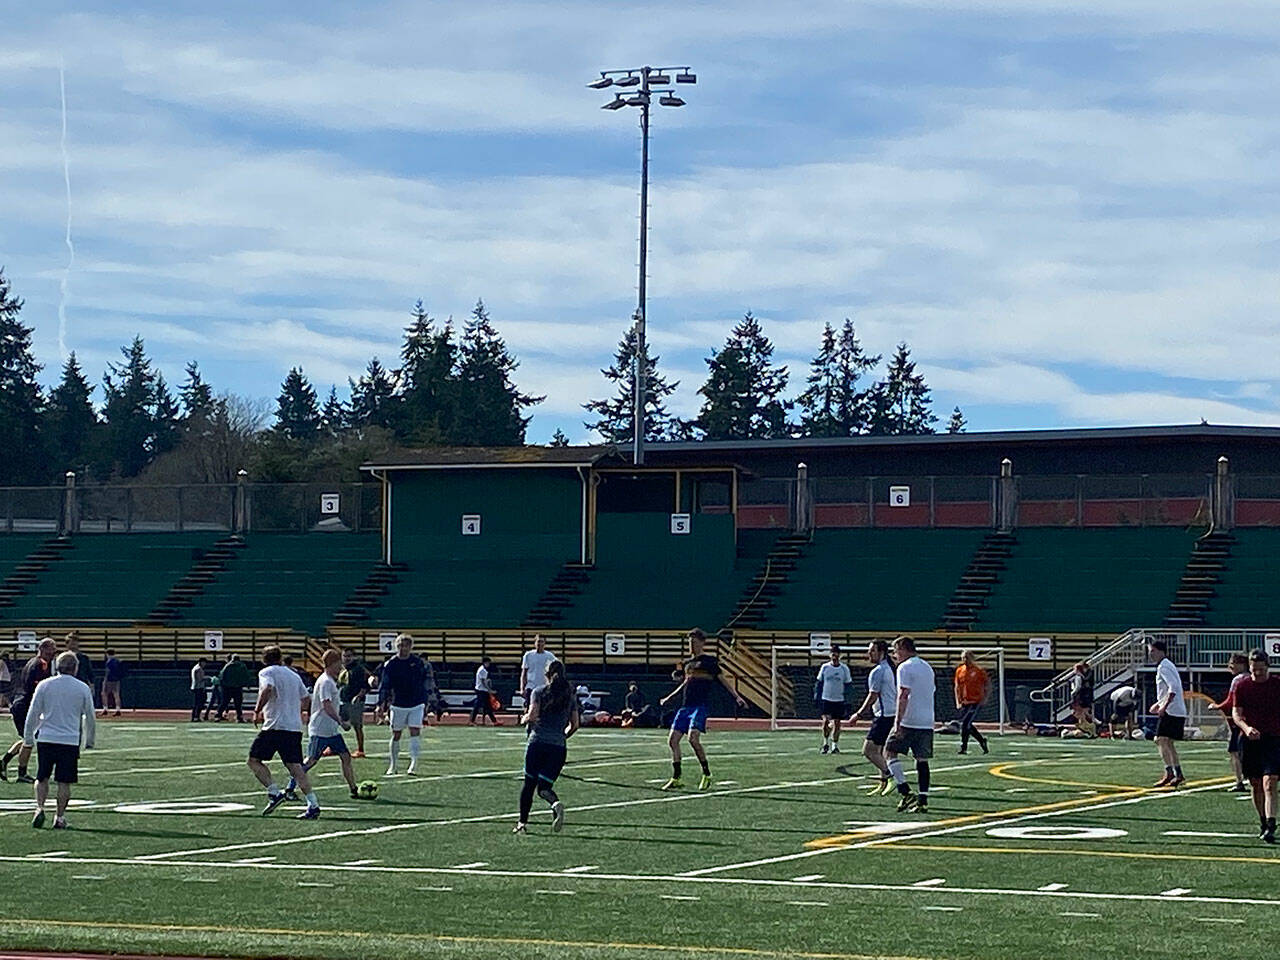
(60, 708)
(1238, 664)
(701, 671)
(403, 693)
(972, 686)
(197, 690)
(235, 676)
(1256, 712)
(552, 718)
(39, 667)
(484, 695)
(84, 666)
(113, 671)
(279, 709)
(882, 701)
(833, 678)
(533, 668)
(913, 725)
(1171, 709)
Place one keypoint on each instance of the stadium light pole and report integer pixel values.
(641, 85)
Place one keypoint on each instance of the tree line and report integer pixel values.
(448, 387)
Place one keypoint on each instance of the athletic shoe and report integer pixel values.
(38, 820)
(26, 778)
(291, 795)
(835, 748)
(273, 801)
(60, 823)
(4, 764)
(963, 752)
(1269, 835)
(826, 748)
(672, 784)
(1240, 788)
(521, 828)
(311, 813)
(1164, 781)
(705, 782)
(985, 750)
(391, 771)
(1177, 781)
(355, 794)
(886, 788)
(875, 789)
(907, 803)
(413, 768)
(920, 806)
(557, 817)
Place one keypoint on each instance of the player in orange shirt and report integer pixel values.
(972, 686)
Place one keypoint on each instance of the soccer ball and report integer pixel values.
(368, 789)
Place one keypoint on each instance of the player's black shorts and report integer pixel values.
(287, 743)
(1123, 712)
(881, 727)
(544, 761)
(919, 742)
(1172, 727)
(59, 759)
(18, 710)
(1237, 738)
(835, 709)
(1260, 758)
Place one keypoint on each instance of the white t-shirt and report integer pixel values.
(284, 710)
(321, 724)
(1124, 696)
(58, 707)
(1167, 679)
(917, 676)
(482, 679)
(881, 682)
(833, 678)
(535, 667)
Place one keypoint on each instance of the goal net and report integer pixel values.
(793, 672)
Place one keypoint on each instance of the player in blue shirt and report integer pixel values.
(402, 693)
(701, 671)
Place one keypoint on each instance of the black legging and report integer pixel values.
(967, 728)
(197, 703)
(232, 699)
(544, 790)
(482, 704)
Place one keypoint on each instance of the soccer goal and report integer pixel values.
(793, 670)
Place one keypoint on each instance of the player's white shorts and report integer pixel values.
(402, 717)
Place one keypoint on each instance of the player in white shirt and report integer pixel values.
(60, 706)
(279, 710)
(913, 725)
(325, 727)
(1171, 708)
(882, 701)
(533, 668)
(833, 677)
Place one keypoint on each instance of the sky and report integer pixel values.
(1069, 211)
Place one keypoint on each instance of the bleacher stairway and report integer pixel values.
(769, 581)
(369, 594)
(975, 584)
(568, 582)
(28, 571)
(202, 573)
(1196, 590)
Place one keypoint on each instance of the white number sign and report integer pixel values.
(1040, 648)
(213, 640)
(387, 642)
(471, 524)
(1271, 643)
(681, 523)
(26, 641)
(615, 644)
(899, 496)
(819, 643)
(330, 503)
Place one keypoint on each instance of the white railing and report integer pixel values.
(1117, 662)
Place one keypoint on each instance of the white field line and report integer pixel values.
(936, 891)
(979, 824)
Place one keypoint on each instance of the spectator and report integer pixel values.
(533, 668)
(114, 669)
(1124, 706)
(197, 689)
(84, 668)
(214, 706)
(636, 711)
(235, 676)
(1082, 699)
(484, 695)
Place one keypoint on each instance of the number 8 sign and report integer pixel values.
(1272, 643)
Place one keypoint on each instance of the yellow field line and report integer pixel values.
(1116, 854)
(446, 939)
(1001, 770)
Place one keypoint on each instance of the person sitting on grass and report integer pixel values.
(636, 711)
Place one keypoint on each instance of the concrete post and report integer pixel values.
(70, 522)
(803, 521)
(1008, 496)
(1223, 502)
(240, 520)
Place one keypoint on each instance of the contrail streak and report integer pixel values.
(71, 247)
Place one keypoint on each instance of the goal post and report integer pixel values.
(793, 668)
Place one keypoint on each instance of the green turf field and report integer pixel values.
(1044, 848)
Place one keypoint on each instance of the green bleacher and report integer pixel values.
(873, 580)
(1092, 580)
(16, 547)
(1248, 594)
(286, 580)
(463, 594)
(108, 576)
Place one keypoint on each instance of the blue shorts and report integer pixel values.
(687, 717)
(318, 745)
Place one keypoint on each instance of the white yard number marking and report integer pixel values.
(329, 503)
(899, 496)
(471, 524)
(1271, 641)
(681, 523)
(213, 640)
(1057, 833)
(1040, 648)
(26, 641)
(387, 642)
(183, 807)
(615, 644)
(819, 642)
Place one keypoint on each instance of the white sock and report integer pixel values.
(273, 789)
(415, 748)
(895, 770)
(312, 799)
(395, 753)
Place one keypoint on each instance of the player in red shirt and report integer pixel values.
(1257, 714)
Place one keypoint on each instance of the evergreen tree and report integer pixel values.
(900, 403)
(742, 398)
(166, 431)
(489, 400)
(20, 396)
(819, 403)
(852, 362)
(71, 423)
(373, 398)
(334, 417)
(616, 423)
(428, 378)
(297, 413)
(129, 412)
(957, 423)
(558, 439)
(197, 396)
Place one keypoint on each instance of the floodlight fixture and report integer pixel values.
(617, 103)
(660, 79)
(670, 100)
(630, 80)
(601, 83)
(685, 76)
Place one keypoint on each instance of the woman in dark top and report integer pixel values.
(551, 720)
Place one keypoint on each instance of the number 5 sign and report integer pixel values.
(615, 644)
